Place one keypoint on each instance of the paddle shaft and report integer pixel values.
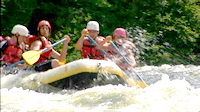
(45, 49)
(14, 64)
(92, 40)
(125, 59)
(55, 44)
(120, 52)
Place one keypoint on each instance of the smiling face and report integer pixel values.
(44, 31)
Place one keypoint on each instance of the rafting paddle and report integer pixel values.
(32, 56)
(142, 84)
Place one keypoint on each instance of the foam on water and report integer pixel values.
(166, 93)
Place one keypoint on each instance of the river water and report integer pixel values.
(171, 89)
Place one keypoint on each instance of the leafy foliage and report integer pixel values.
(164, 31)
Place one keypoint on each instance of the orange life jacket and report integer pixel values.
(89, 50)
(12, 53)
(44, 56)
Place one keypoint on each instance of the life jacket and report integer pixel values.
(12, 53)
(125, 49)
(44, 56)
(89, 50)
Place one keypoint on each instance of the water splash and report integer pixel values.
(170, 89)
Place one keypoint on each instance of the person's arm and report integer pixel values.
(131, 55)
(104, 45)
(61, 56)
(79, 43)
(132, 59)
(36, 45)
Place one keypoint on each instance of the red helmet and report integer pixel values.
(44, 22)
(120, 32)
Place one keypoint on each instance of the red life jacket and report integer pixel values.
(89, 50)
(12, 53)
(44, 56)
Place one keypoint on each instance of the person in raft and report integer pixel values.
(125, 46)
(13, 47)
(87, 48)
(40, 42)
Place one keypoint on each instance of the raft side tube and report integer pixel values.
(76, 67)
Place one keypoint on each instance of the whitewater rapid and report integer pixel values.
(171, 89)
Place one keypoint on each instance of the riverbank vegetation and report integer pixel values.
(164, 31)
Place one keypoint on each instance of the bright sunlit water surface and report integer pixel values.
(171, 89)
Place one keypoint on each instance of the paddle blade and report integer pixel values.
(133, 82)
(31, 57)
(141, 84)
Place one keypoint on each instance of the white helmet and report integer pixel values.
(93, 25)
(22, 30)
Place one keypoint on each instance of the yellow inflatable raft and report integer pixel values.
(79, 74)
